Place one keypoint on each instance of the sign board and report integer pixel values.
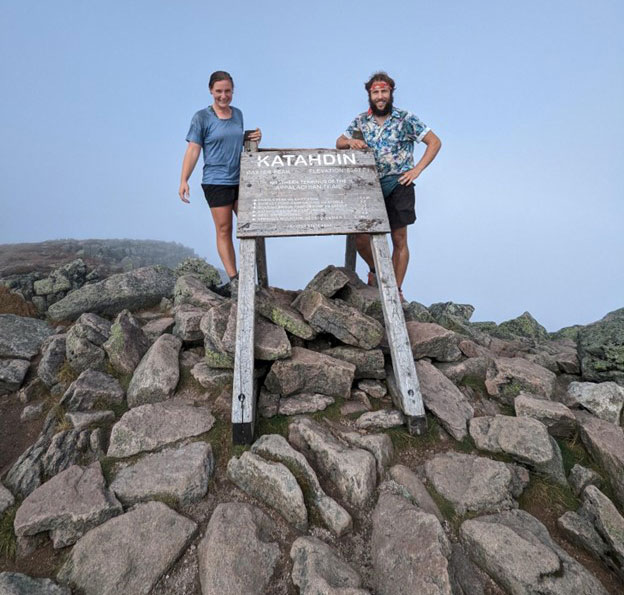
(301, 192)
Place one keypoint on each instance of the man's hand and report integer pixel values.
(355, 144)
(409, 176)
(184, 192)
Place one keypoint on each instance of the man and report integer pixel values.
(391, 133)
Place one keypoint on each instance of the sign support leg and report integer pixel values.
(261, 263)
(405, 377)
(350, 252)
(243, 392)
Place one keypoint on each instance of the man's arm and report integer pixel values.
(188, 165)
(342, 142)
(433, 146)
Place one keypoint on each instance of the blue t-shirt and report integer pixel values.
(222, 141)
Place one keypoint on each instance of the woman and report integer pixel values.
(218, 130)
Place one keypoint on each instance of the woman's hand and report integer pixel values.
(255, 136)
(184, 192)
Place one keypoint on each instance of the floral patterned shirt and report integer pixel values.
(393, 142)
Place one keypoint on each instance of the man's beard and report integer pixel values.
(383, 112)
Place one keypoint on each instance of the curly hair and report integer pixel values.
(379, 76)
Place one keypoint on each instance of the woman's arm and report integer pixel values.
(188, 165)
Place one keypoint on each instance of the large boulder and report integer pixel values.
(605, 399)
(508, 376)
(69, 505)
(149, 427)
(369, 363)
(21, 337)
(126, 344)
(601, 349)
(52, 360)
(409, 549)
(14, 583)
(559, 420)
(92, 390)
(433, 341)
(516, 550)
(236, 555)
(310, 372)
(524, 439)
(158, 373)
(12, 374)
(191, 290)
(134, 290)
(129, 553)
(523, 326)
(271, 305)
(84, 342)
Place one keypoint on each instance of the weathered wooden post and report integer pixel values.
(300, 192)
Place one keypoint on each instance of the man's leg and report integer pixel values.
(223, 225)
(363, 246)
(400, 254)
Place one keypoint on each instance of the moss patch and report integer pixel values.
(8, 540)
(67, 374)
(542, 494)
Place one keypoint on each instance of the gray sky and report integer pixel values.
(522, 210)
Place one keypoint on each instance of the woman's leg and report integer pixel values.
(223, 225)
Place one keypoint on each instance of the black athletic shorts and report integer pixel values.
(400, 205)
(220, 195)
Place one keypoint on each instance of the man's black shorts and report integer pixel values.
(400, 205)
(219, 195)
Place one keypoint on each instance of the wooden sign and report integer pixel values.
(309, 192)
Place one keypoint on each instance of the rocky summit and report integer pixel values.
(118, 474)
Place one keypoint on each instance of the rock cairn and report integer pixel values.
(517, 483)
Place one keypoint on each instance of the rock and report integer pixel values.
(608, 522)
(601, 349)
(6, 499)
(123, 555)
(237, 532)
(433, 341)
(469, 371)
(351, 470)
(605, 443)
(568, 362)
(318, 569)
(415, 489)
(409, 549)
(416, 312)
(187, 323)
(157, 375)
(373, 388)
(14, 583)
(21, 337)
(270, 340)
(68, 505)
(304, 403)
(181, 474)
(579, 531)
(214, 324)
(339, 319)
(193, 291)
(282, 314)
(127, 343)
(363, 297)
(462, 311)
(271, 483)
(559, 420)
(134, 290)
(81, 420)
(148, 427)
(32, 412)
(83, 346)
(268, 403)
(471, 483)
(523, 438)
(523, 326)
(198, 267)
(154, 328)
(444, 400)
(330, 280)
(510, 376)
(310, 372)
(213, 379)
(25, 474)
(275, 448)
(216, 358)
(516, 550)
(381, 419)
(604, 400)
(466, 578)
(67, 448)
(379, 445)
(369, 363)
(91, 390)
(580, 477)
(12, 374)
(52, 360)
